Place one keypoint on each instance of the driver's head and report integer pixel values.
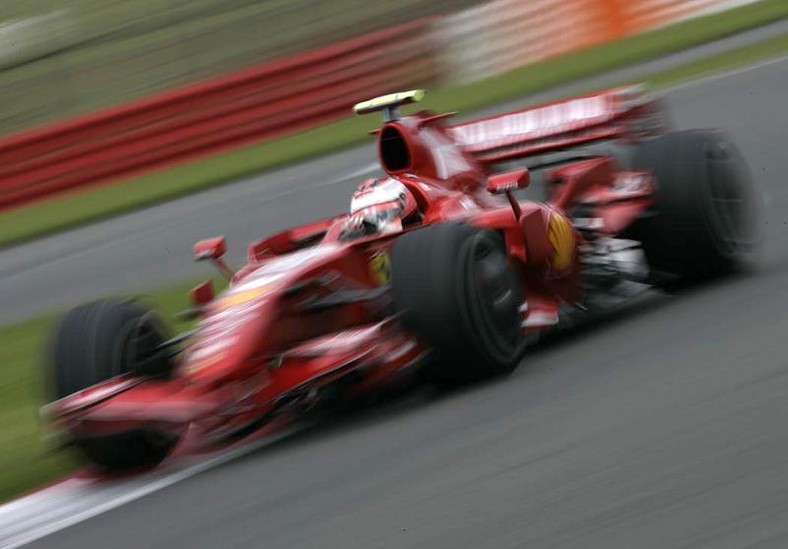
(379, 206)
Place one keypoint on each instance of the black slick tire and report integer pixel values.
(98, 341)
(704, 221)
(455, 288)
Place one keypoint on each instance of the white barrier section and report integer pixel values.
(502, 35)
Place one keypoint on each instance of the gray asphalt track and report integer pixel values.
(663, 426)
(151, 247)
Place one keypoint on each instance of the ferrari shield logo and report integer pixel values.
(562, 237)
(380, 268)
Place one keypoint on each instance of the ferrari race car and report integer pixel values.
(438, 272)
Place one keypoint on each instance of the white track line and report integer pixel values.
(726, 74)
(40, 514)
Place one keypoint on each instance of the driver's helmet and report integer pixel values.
(378, 207)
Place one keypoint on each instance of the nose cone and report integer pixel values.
(229, 335)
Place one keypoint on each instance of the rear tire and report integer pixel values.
(704, 221)
(96, 342)
(455, 288)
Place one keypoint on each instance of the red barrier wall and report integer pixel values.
(252, 105)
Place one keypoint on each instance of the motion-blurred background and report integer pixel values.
(60, 58)
(94, 91)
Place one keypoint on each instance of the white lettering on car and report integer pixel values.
(535, 123)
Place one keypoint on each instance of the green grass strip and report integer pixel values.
(79, 208)
(747, 55)
(24, 461)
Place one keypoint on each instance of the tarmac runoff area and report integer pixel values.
(660, 426)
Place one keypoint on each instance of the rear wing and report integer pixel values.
(612, 114)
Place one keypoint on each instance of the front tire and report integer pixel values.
(98, 341)
(455, 288)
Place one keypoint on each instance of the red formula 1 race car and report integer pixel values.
(437, 270)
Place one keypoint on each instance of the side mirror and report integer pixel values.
(202, 294)
(211, 248)
(502, 183)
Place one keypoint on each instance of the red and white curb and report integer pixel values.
(75, 500)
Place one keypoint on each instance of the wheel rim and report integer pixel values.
(498, 299)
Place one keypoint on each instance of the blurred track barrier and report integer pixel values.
(255, 104)
(99, 53)
(505, 34)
